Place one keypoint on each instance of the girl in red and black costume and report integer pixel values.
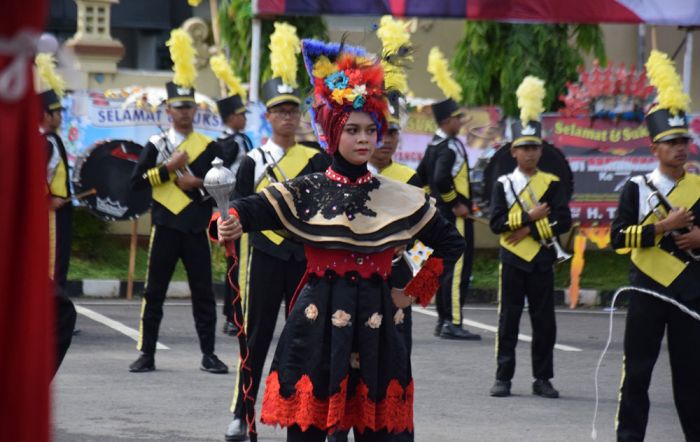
(341, 361)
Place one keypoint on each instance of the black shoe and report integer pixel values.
(339, 436)
(212, 364)
(544, 388)
(500, 389)
(451, 331)
(144, 363)
(230, 328)
(237, 430)
(438, 327)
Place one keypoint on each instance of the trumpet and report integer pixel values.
(167, 151)
(561, 255)
(662, 201)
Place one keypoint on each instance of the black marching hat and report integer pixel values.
(180, 96)
(528, 135)
(664, 126)
(394, 117)
(442, 110)
(50, 101)
(275, 92)
(231, 105)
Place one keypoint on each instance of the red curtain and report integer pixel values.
(26, 305)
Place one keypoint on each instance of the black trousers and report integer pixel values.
(454, 283)
(647, 320)
(62, 246)
(270, 281)
(65, 324)
(538, 286)
(313, 434)
(167, 246)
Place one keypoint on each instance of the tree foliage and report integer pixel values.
(235, 21)
(493, 58)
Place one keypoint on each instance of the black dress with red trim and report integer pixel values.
(341, 361)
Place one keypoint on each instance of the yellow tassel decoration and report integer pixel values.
(663, 76)
(396, 51)
(437, 65)
(284, 47)
(183, 55)
(531, 93)
(222, 69)
(46, 68)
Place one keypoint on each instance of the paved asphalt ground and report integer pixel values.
(97, 399)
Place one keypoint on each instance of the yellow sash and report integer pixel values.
(461, 181)
(168, 194)
(528, 247)
(398, 172)
(292, 163)
(58, 183)
(655, 262)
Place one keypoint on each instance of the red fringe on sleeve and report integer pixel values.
(212, 230)
(425, 284)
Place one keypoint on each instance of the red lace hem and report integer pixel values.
(425, 284)
(394, 412)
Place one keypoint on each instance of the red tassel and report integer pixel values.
(425, 284)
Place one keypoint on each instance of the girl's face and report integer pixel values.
(358, 139)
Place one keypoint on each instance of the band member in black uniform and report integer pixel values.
(173, 163)
(275, 264)
(60, 220)
(445, 169)
(529, 208)
(658, 218)
(235, 144)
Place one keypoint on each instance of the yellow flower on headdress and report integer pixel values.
(668, 84)
(530, 93)
(183, 55)
(46, 68)
(284, 47)
(437, 65)
(323, 67)
(222, 70)
(338, 95)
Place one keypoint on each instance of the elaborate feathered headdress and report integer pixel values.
(530, 94)
(222, 69)
(344, 80)
(667, 119)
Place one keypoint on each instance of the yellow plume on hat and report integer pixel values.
(396, 50)
(222, 69)
(437, 65)
(531, 93)
(46, 68)
(669, 87)
(183, 55)
(194, 3)
(284, 47)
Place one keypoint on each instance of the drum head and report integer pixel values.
(107, 167)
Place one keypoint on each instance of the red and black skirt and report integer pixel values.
(341, 361)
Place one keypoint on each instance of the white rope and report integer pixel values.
(683, 308)
(13, 79)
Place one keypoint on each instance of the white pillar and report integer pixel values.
(255, 60)
(688, 61)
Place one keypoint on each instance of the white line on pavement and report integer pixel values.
(481, 325)
(115, 325)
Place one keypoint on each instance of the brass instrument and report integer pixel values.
(167, 152)
(668, 207)
(561, 255)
